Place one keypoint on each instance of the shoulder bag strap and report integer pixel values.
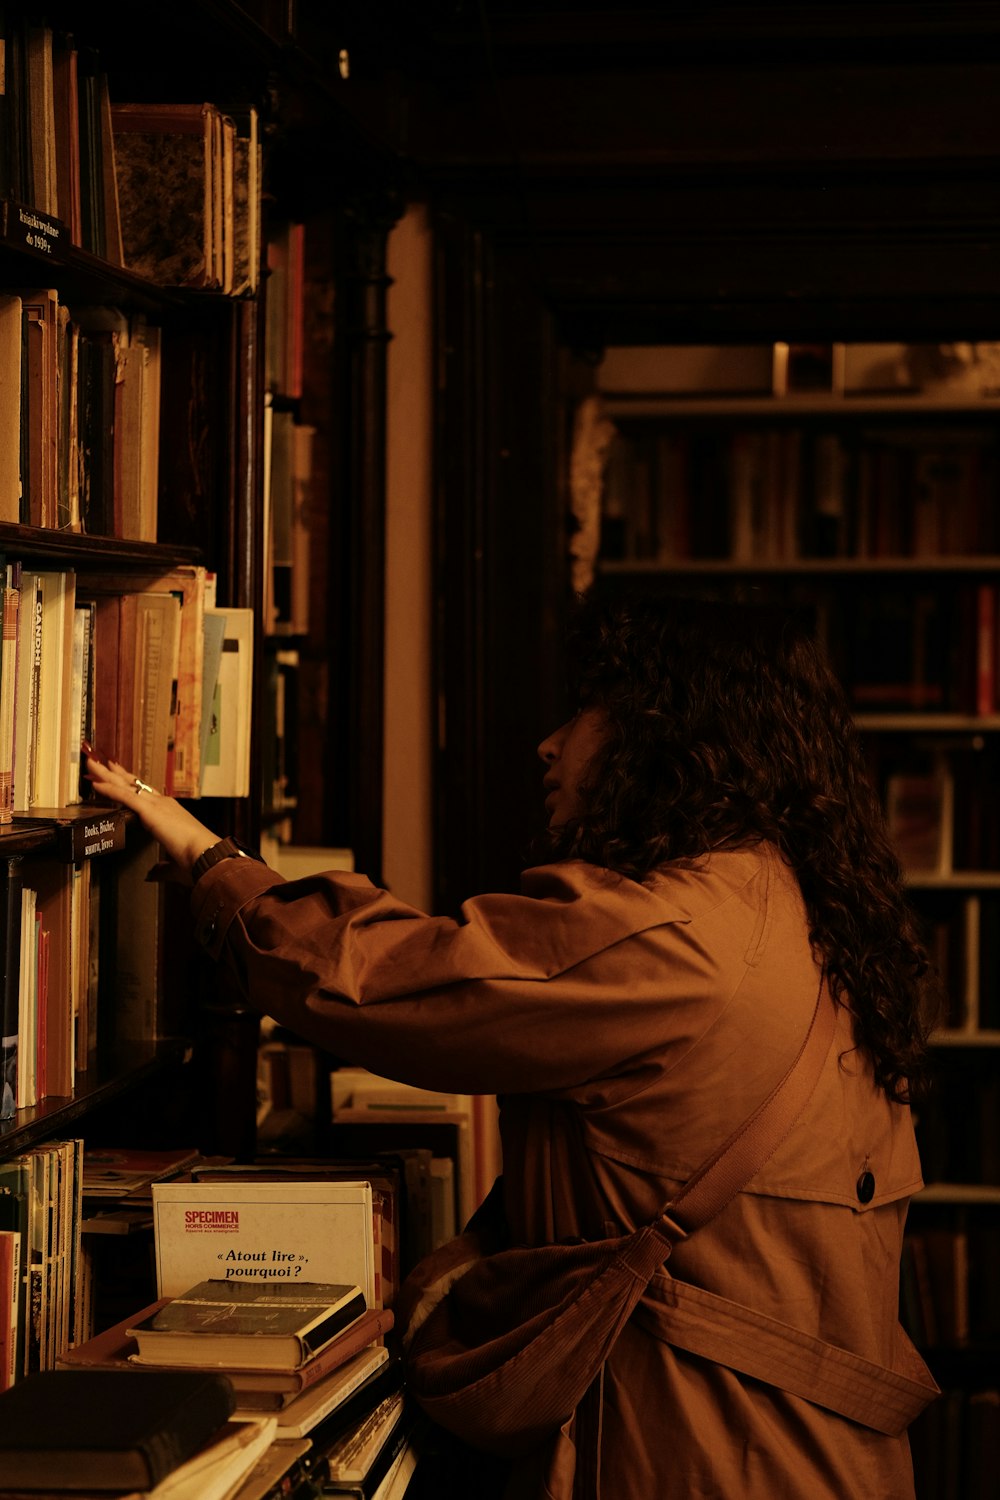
(718, 1180)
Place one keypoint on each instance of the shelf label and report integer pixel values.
(34, 230)
(99, 836)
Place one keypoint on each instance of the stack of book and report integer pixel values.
(94, 1432)
(45, 1297)
(308, 1361)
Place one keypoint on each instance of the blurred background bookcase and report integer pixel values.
(858, 485)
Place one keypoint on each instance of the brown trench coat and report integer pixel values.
(628, 1029)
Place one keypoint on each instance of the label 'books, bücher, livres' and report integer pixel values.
(249, 1324)
(107, 1429)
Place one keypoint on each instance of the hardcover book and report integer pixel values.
(166, 158)
(253, 1325)
(115, 1430)
(315, 1404)
(350, 1459)
(256, 1390)
(275, 1389)
(10, 1305)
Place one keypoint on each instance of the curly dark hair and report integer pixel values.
(727, 725)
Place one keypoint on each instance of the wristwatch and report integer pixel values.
(228, 848)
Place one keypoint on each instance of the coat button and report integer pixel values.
(866, 1187)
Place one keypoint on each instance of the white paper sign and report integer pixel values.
(266, 1231)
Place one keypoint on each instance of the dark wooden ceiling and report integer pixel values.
(696, 169)
(670, 165)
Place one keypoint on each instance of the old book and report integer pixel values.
(256, 1390)
(249, 1324)
(15, 1194)
(282, 1469)
(155, 691)
(919, 812)
(115, 1430)
(219, 1470)
(41, 119)
(66, 102)
(225, 771)
(188, 584)
(114, 249)
(138, 908)
(39, 406)
(10, 1305)
(166, 160)
(112, 1348)
(344, 1420)
(246, 202)
(8, 681)
(947, 1253)
(402, 1469)
(359, 1461)
(10, 408)
(53, 889)
(89, 87)
(96, 377)
(224, 1468)
(136, 430)
(51, 783)
(274, 1390)
(119, 1171)
(351, 1457)
(307, 1410)
(29, 661)
(10, 967)
(27, 1009)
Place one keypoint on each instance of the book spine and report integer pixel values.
(8, 687)
(10, 948)
(10, 1303)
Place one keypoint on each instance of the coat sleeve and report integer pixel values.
(532, 992)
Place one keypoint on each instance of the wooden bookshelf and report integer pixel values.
(145, 407)
(155, 479)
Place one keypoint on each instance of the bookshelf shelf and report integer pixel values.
(82, 274)
(799, 407)
(102, 1084)
(918, 723)
(971, 1038)
(834, 567)
(959, 1194)
(78, 550)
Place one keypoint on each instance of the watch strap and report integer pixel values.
(227, 848)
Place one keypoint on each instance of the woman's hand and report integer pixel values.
(180, 836)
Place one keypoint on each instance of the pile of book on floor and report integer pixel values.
(236, 1390)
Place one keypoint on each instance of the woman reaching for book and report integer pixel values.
(714, 858)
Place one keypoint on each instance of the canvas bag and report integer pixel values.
(502, 1346)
